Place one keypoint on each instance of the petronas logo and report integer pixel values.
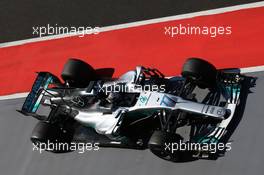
(143, 99)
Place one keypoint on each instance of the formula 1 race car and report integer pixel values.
(140, 109)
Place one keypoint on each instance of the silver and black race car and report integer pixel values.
(140, 109)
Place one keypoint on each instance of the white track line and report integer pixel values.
(252, 69)
(242, 70)
(141, 23)
(14, 96)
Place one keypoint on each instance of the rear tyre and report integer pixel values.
(200, 72)
(51, 137)
(78, 73)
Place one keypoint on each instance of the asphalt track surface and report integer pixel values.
(18, 17)
(246, 156)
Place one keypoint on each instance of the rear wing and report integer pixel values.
(32, 102)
